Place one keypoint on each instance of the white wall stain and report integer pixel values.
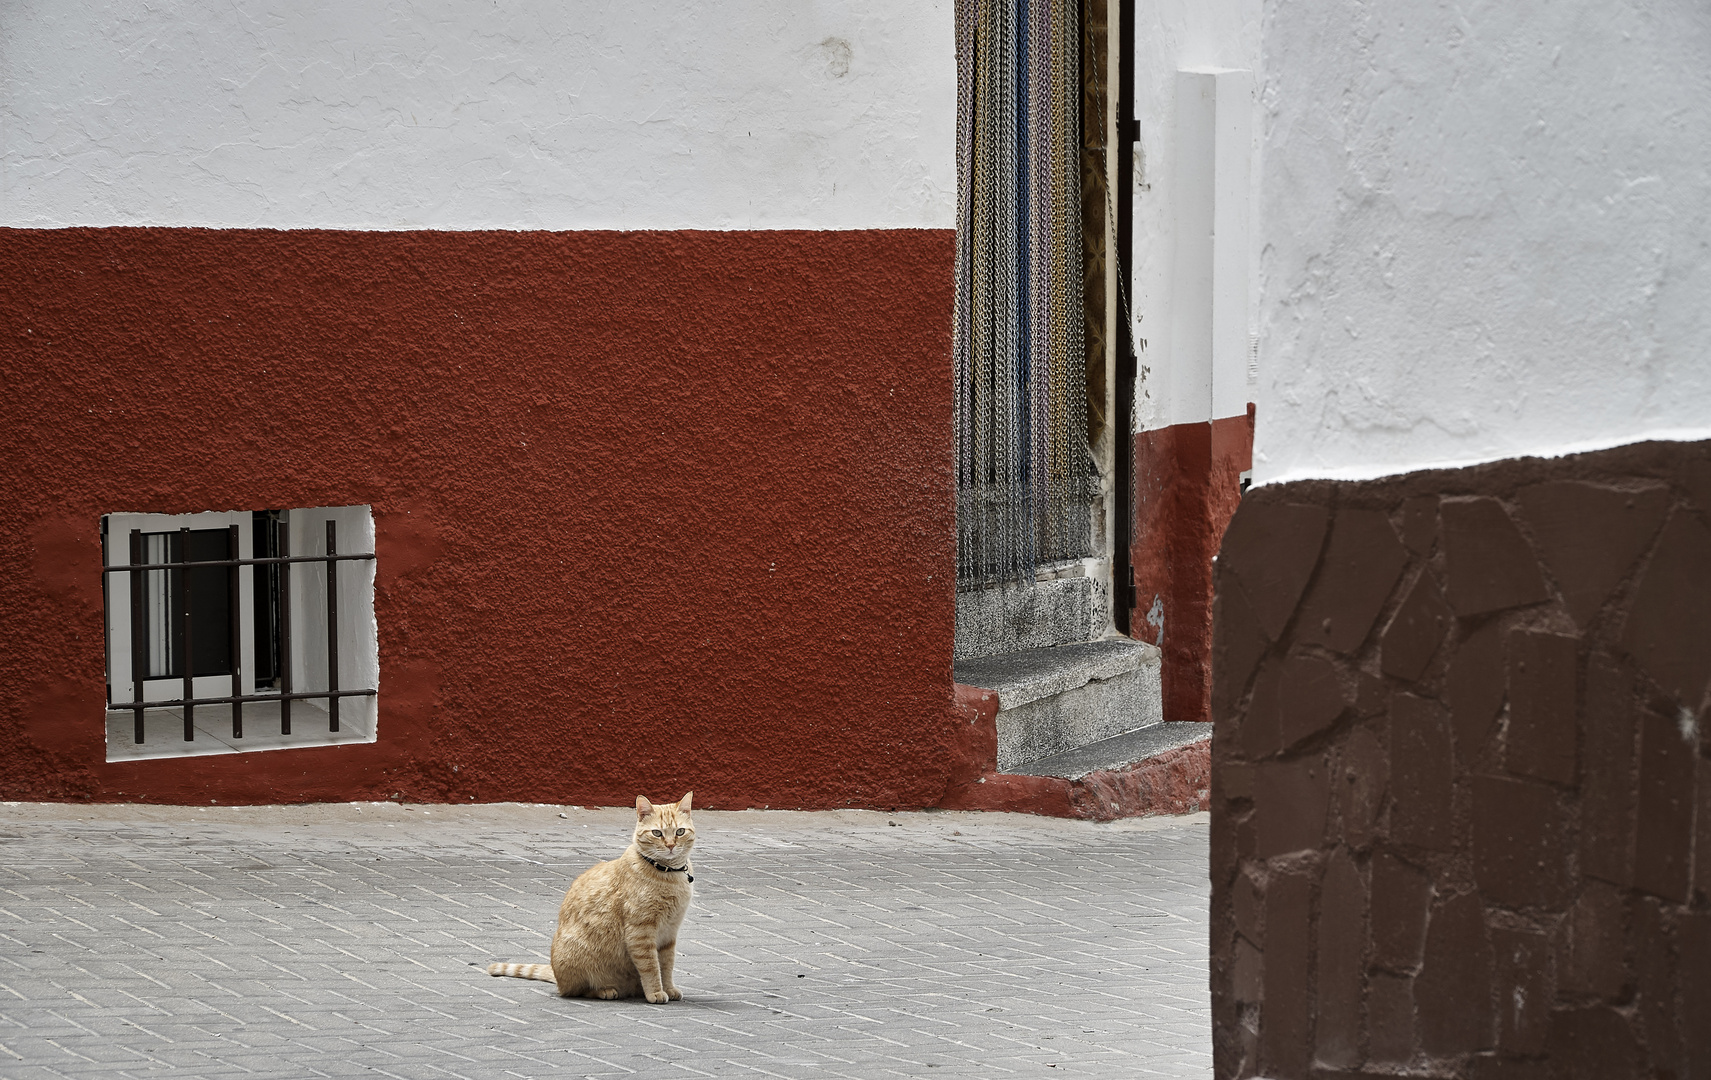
(1155, 619)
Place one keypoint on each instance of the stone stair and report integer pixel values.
(1062, 698)
(1118, 752)
(1069, 710)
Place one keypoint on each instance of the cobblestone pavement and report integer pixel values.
(352, 941)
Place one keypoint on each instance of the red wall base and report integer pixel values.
(1187, 487)
(655, 511)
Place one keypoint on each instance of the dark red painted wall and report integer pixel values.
(1187, 486)
(654, 510)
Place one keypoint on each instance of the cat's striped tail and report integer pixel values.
(543, 972)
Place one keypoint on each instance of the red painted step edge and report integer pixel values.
(1176, 782)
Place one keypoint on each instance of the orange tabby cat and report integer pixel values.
(617, 927)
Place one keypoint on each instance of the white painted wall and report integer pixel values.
(1487, 231)
(359, 633)
(469, 114)
(1194, 343)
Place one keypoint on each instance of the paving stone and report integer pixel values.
(1594, 1044)
(1390, 1018)
(1491, 565)
(1261, 732)
(1592, 947)
(1656, 983)
(1694, 938)
(1663, 824)
(1416, 630)
(1519, 854)
(1291, 800)
(1525, 990)
(1420, 524)
(1362, 563)
(1453, 997)
(1496, 1067)
(1342, 937)
(1542, 739)
(1475, 690)
(1237, 645)
(1607, 799)
(1590, 536)
(1284, 1044)
(1273, 550)
(1360, 794)
(1310, 698)
(1421, 773)
(345, 941)
(1702, 829)
(1665, 628)
(1401, 901)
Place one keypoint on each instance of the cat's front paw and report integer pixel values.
(659, 997)
(674, 993)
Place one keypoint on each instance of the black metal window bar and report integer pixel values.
(182, 606)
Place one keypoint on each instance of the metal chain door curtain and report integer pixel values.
(1024, 475)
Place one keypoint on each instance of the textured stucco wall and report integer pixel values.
(1188, 453)
(653, 511)
(651, 114)
(1187, 485)
(1486, 231)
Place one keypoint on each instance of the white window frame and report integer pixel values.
(359, 654)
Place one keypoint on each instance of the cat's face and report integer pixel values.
(664, 831)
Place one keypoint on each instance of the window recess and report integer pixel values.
(232, 632)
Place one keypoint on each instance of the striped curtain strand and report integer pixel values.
(1024, 475)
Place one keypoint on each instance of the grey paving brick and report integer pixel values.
(342, 941)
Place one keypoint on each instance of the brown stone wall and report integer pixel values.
(1462, 740)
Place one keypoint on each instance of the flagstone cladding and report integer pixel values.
(1461, 782)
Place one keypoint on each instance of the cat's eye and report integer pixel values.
(658, 833)
(680, 832)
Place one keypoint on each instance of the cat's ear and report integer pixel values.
(683, 803)
(643, 807)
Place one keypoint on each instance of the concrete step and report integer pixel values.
(1007, 618)
(1063, 698)
(1118, 752)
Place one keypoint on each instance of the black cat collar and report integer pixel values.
(668, 869)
